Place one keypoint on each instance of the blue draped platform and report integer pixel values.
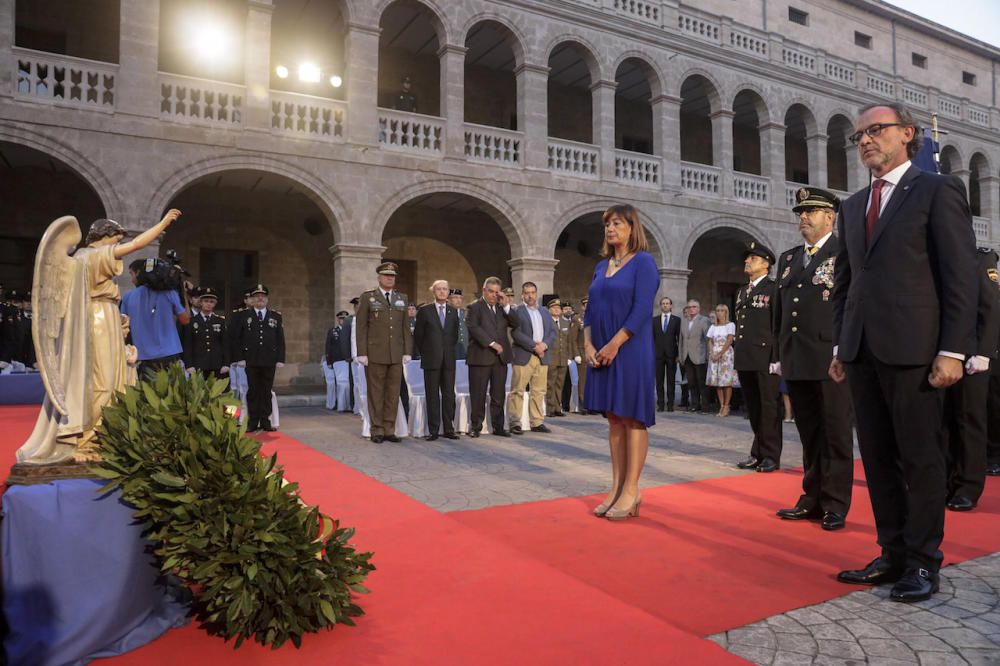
(21, 389)
(79, 581)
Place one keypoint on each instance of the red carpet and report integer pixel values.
(546, 583)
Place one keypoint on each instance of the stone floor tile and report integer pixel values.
(797, 643)
(981, 657)
(807, 616)
(831, 631)
(865, 629)
(792, 659)
(940, 659)
(753, 636)
(891, 648)
(785, 624)
(752, 653)
(964, 638)
(836, 648)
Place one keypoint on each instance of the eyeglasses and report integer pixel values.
(872, 131)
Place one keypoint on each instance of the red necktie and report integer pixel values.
(873, 210)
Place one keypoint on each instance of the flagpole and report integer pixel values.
(934, 137)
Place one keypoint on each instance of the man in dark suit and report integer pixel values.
(435, 335)
(904, 319)
(489, 354)
(803, 324)
(752, 348)
(260, 340)
(666, 329)
(966, 402)
(993, 403)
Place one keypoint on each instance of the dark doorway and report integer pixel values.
(230, 272)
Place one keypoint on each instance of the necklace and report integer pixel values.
(617, 261)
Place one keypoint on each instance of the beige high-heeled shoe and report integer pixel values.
(617, 515)
(601, 509)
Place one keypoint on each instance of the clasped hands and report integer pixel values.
(602, 357)
(945, 371)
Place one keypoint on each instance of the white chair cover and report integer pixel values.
(275, 416)
(331, 383)
(361, 403)
(574, 394)
(342, 374)
(413, 374)
(462, 404)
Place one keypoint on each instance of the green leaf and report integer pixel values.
(168, 479)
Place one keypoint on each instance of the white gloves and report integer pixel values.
(578, 360)
(280, 364)
(774, 368)
(407, 358)
(977, 364)
(363, 360)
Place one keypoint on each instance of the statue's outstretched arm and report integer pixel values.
(147, 236)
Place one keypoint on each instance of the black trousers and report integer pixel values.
(482, 377)
(696, 374)
(763, 404)
(900, 419)
(151, 365)
(965, 418)
(439, 386)
(260, 379)
(823, 418)
(993, 417)
(666, 368)
(567, 391)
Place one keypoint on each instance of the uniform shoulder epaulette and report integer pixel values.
(221, 316)
(277, 312)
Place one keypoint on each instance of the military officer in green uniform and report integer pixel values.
(206, 344)
(384, 344)
(558, 359)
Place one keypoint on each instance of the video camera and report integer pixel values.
(162, 274)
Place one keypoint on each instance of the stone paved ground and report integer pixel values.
(960, 625)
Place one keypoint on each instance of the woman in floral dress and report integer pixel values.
(721, 373)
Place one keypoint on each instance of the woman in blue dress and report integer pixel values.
(618, 343)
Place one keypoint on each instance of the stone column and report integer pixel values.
(989, 195)
(816, 147)
(137, 85)
(7, 82)
(257, 65)
(452, 58)
(540, 270)
(362, 83)
(673, 283)
(354, 270)
(533, 113)
(602, 95)
(666, 139)
(772, 153)
(857, 174)
(722, 150)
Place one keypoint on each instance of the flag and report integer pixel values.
(926, 157)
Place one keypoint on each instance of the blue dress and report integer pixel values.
(626, 388)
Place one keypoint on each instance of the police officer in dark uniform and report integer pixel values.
(384, 345)
(206, 344)
(6, 328)
(753, 344)
(803, 324)
(261, 349)
(993, 401)
(462, 346)
(966, 402)
(406, 100)
(334, 348)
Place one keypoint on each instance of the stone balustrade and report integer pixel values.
(493, 145)
(192, 101)
(750, 188)
(307, 116)
(573, 158)
(700, 179)
(637, 169)
(64, 80)
(410, 132)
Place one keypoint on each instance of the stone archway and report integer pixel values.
(715, 260)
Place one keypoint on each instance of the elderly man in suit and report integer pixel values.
(666, 341)
(693, 354)
(532, 338)
(803, 324)
(489, 354)
(904, 320)
(435, 335)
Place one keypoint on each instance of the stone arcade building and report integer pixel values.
(532, 116)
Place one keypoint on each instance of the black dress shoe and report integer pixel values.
(670, 408)
(915, 585)
(516, 430)
(266, 426)
(660, 408)
(880, 570)
(393, 439)
(767, 465)
(993, 469)
(430, 438)
(959, 503)
(501, 433)
(557, 414)
(451, 435)
(377, 439)
(540, 428)
(798, 513)
(749, 463)
(833, 521)
(474, 433)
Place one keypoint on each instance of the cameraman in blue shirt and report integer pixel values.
(154, 307)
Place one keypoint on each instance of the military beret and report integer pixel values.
(814, 197)
(760, 250)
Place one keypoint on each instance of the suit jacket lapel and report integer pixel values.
(900, 192)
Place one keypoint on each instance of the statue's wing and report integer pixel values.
(53, 280)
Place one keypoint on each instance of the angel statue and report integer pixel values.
(79, 334)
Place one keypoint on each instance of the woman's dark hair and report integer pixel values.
(637, 240)
(104, 228)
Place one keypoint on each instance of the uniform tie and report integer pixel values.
(873, 210)
(260, 315)
(810, 252)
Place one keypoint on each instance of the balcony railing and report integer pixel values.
(410, 132)
(750, 188)
(193, 101)
(949, 107)
(59, 79)
(637, 169)
(981, 225)
(798, 59)
(575, 159)
(493, 145)
(700, 179)
(744, 40)
(979, 117)
(642, 10)
(307, 116)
